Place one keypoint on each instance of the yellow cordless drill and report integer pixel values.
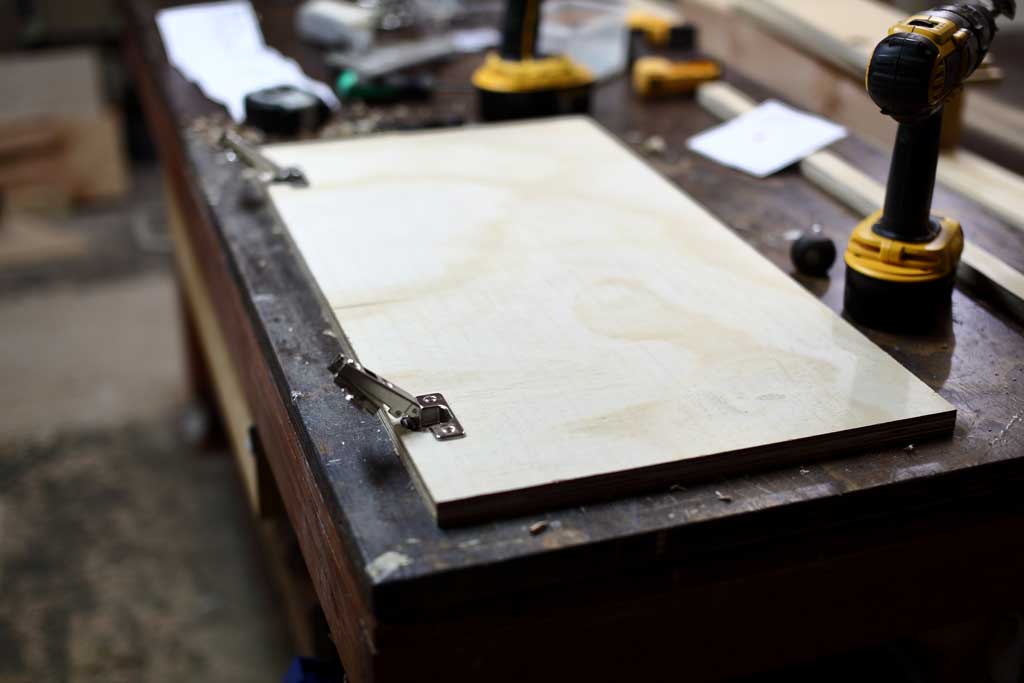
(901, 261)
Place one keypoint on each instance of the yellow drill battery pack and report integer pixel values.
(659, 76)
(891, 260)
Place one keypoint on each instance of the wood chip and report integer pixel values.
(724, 497)
(538, 528)
(655, 145)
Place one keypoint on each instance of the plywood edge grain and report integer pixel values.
(720, 465)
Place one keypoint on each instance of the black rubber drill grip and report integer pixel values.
(520, 32)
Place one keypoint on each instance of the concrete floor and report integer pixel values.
(125, 553)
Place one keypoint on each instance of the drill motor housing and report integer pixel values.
(924, 60)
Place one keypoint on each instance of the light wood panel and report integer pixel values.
(595, 330)
(865, 195)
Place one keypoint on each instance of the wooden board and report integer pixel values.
(595, 330)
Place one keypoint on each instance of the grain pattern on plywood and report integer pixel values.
(595, 330)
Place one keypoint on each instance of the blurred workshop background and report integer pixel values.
(126, 548)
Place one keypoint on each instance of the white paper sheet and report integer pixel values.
(219, 47)
(766, 139)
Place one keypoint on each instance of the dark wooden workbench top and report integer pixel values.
(379, 561)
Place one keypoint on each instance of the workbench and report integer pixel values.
(704, 581)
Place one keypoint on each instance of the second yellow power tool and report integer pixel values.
(663, 59)
(516, 82)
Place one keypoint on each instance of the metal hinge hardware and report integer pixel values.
(267, 170)
(371, 393)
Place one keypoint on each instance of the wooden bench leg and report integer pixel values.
(202, 421)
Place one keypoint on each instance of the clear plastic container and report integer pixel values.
(592, 32)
